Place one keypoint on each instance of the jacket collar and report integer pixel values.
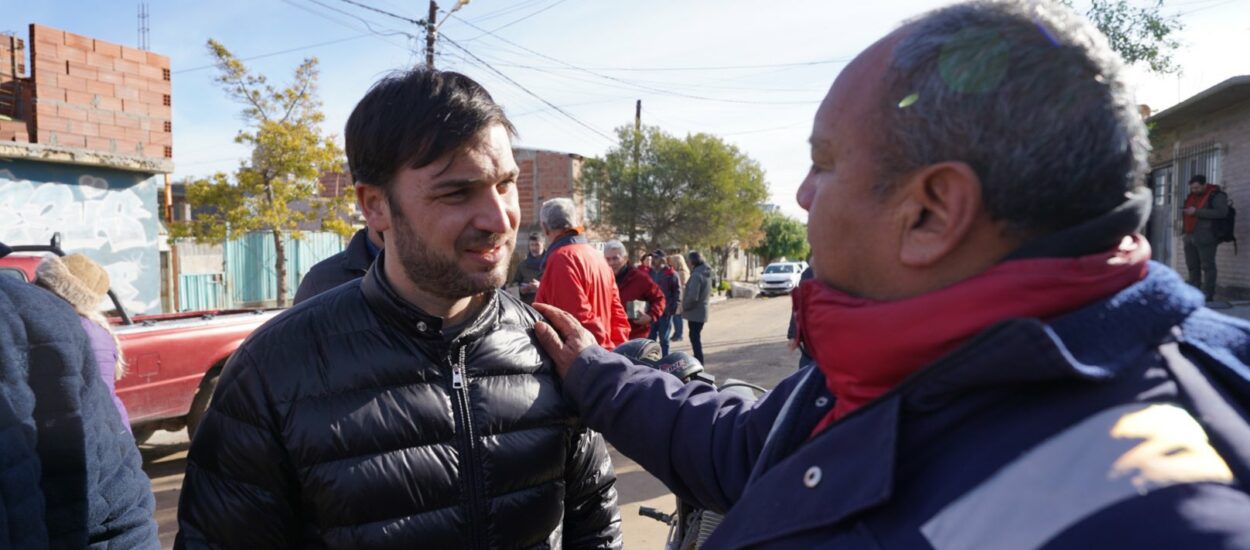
(359, 254)
(393, 309)
(572, 236)
(857, 454)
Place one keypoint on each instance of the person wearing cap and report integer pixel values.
(70, 474)
(84, 284)
(668, 282)
(1204, 204)
(530, 270)
(695, 299)
(998, 362)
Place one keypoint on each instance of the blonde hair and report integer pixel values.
(678, 262)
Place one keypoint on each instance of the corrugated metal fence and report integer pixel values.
(201, 291)
(250, 263)
(249, 278)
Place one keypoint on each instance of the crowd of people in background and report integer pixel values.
(991, 358)
(654, 297)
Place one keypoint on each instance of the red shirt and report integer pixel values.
(578, 280)
(636, 285)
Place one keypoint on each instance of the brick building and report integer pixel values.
(82, 93)
(543, 175)
(548, 175)
(85, 144)
(1207, 134)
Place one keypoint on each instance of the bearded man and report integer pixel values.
(412, 407)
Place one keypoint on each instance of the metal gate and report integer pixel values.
(1169, 184)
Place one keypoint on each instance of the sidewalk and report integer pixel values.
(1234, 308)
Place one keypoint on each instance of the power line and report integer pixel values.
(555, 107)
(552, 71)
(523, 18)
(505, 11)
(271, 54)
(720, 68)
(340, 22)
(632, 84)
(362, 20)
(386, 13)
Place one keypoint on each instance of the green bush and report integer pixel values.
(724, 286)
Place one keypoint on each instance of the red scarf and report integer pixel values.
(1197, 201)
(865, 347)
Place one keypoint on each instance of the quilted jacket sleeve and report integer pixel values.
(239, 488)
(591, 516)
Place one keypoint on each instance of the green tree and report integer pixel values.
(1138, 34)
(696, 191)
(276, 190)
(783, 237)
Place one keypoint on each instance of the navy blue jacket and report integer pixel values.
(70, 474)
(1069, 434)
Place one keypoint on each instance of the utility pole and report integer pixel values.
(633, 223)
(430, 35)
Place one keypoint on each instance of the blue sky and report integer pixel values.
(590, 58)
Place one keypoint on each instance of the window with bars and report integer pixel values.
(1199, 159)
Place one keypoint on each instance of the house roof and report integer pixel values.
(1210, 100)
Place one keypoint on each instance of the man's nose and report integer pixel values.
(807, 190)
(498, 212)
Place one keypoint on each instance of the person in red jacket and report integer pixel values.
(634, 286)
(576, 278)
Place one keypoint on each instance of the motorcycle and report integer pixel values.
(689, 526)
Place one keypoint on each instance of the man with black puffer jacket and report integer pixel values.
(411, 408)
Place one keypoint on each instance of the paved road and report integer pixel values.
(745, 339)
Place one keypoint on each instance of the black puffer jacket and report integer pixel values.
(350, 422)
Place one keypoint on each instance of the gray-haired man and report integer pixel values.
(577, 279)
(998, 363)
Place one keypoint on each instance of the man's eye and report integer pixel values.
(456, 195)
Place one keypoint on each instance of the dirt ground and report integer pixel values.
(743, 339)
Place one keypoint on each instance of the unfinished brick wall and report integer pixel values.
(101, 96)
(14, 95)
(544, 175)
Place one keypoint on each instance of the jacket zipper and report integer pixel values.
(460, 393)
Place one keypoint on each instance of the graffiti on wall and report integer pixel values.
(108, 215)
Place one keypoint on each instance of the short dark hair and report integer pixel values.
(1031, 96)
(413, 117)
(1198, 178)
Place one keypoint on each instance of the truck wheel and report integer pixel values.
(203, 397)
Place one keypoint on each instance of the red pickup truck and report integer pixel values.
(172, 360)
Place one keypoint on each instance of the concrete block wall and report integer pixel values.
(96, 95)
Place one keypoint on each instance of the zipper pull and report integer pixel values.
(457, 377)
(457, 371)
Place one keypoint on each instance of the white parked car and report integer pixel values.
(781, 277)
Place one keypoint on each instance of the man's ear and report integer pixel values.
(940, 206)
(374, 206)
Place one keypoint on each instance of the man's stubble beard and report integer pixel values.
(442, 276)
